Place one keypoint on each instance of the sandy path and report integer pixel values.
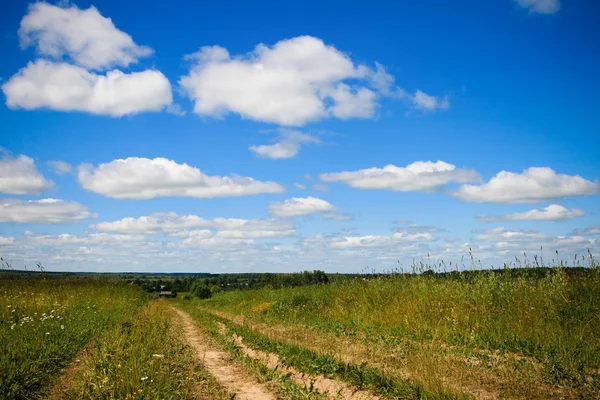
(232, 376)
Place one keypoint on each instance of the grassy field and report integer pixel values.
(528, 335)
(45, 323)
(111, 340)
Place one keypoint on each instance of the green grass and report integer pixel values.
(306, 361)
(143, 359)
(552, 317)
(278, 383)
(45, 323)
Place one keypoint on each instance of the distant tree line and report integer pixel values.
(205, 287)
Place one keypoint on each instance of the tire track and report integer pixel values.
(232, 376)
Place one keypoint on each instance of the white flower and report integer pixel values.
(144, 378)
(62, 327)
(157, 355)
(47, 333)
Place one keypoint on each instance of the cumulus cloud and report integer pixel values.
(507, 241)
(287, 145)
(45, 211)
(191, 226)
(396, 239)
(533, 185)
(420, 176)
(65, 87)
(83, 36)
(591, 230)
(554, 212)
(60, 167)
(424, 102)
(19, 175)
(419, 100)
(540, 6)
(65, 239)
(503, 235)
(293, 82)
(144, 178)
(168, 223)
(298, 206)
(4, 240)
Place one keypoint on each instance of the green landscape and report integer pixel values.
(529, 332)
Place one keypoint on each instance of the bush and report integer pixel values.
(202, 292)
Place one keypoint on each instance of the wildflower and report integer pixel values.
(158, 355)
(47, 333)
(62, 327)
(144, 378)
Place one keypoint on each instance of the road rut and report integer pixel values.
(231, 375)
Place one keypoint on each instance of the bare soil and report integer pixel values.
(219, 364)
(334, 389)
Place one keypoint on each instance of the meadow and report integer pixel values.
(496, 334)
(521, 333)
(93, 338)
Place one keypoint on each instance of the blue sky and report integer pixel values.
(234, 136)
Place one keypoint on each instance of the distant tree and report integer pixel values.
(202, 292)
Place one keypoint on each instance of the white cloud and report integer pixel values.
(168, 223)
(533, 185)
(288, 145)
(554, 212)
(66, 239)
(193, 226)
(351, 102)
(45, 211)
(319, 187)
(19, 175)
(361, 241)
(396, 239)
(299, 186)
(64, 87)
(419, 176)
(298, 206)
(421, 101)
(84, 36)
(60, 167)
(337, 216)
(501, 234)
(591, 230)
(4, 240)
(143, 178)
(540, 6)
(413, 237)
(424, 102)
(294, 82)
(516, 241)
(383, 81)
(215, 242)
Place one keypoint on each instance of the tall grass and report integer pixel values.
(553, 317)
(45, 323)
(144, 358)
